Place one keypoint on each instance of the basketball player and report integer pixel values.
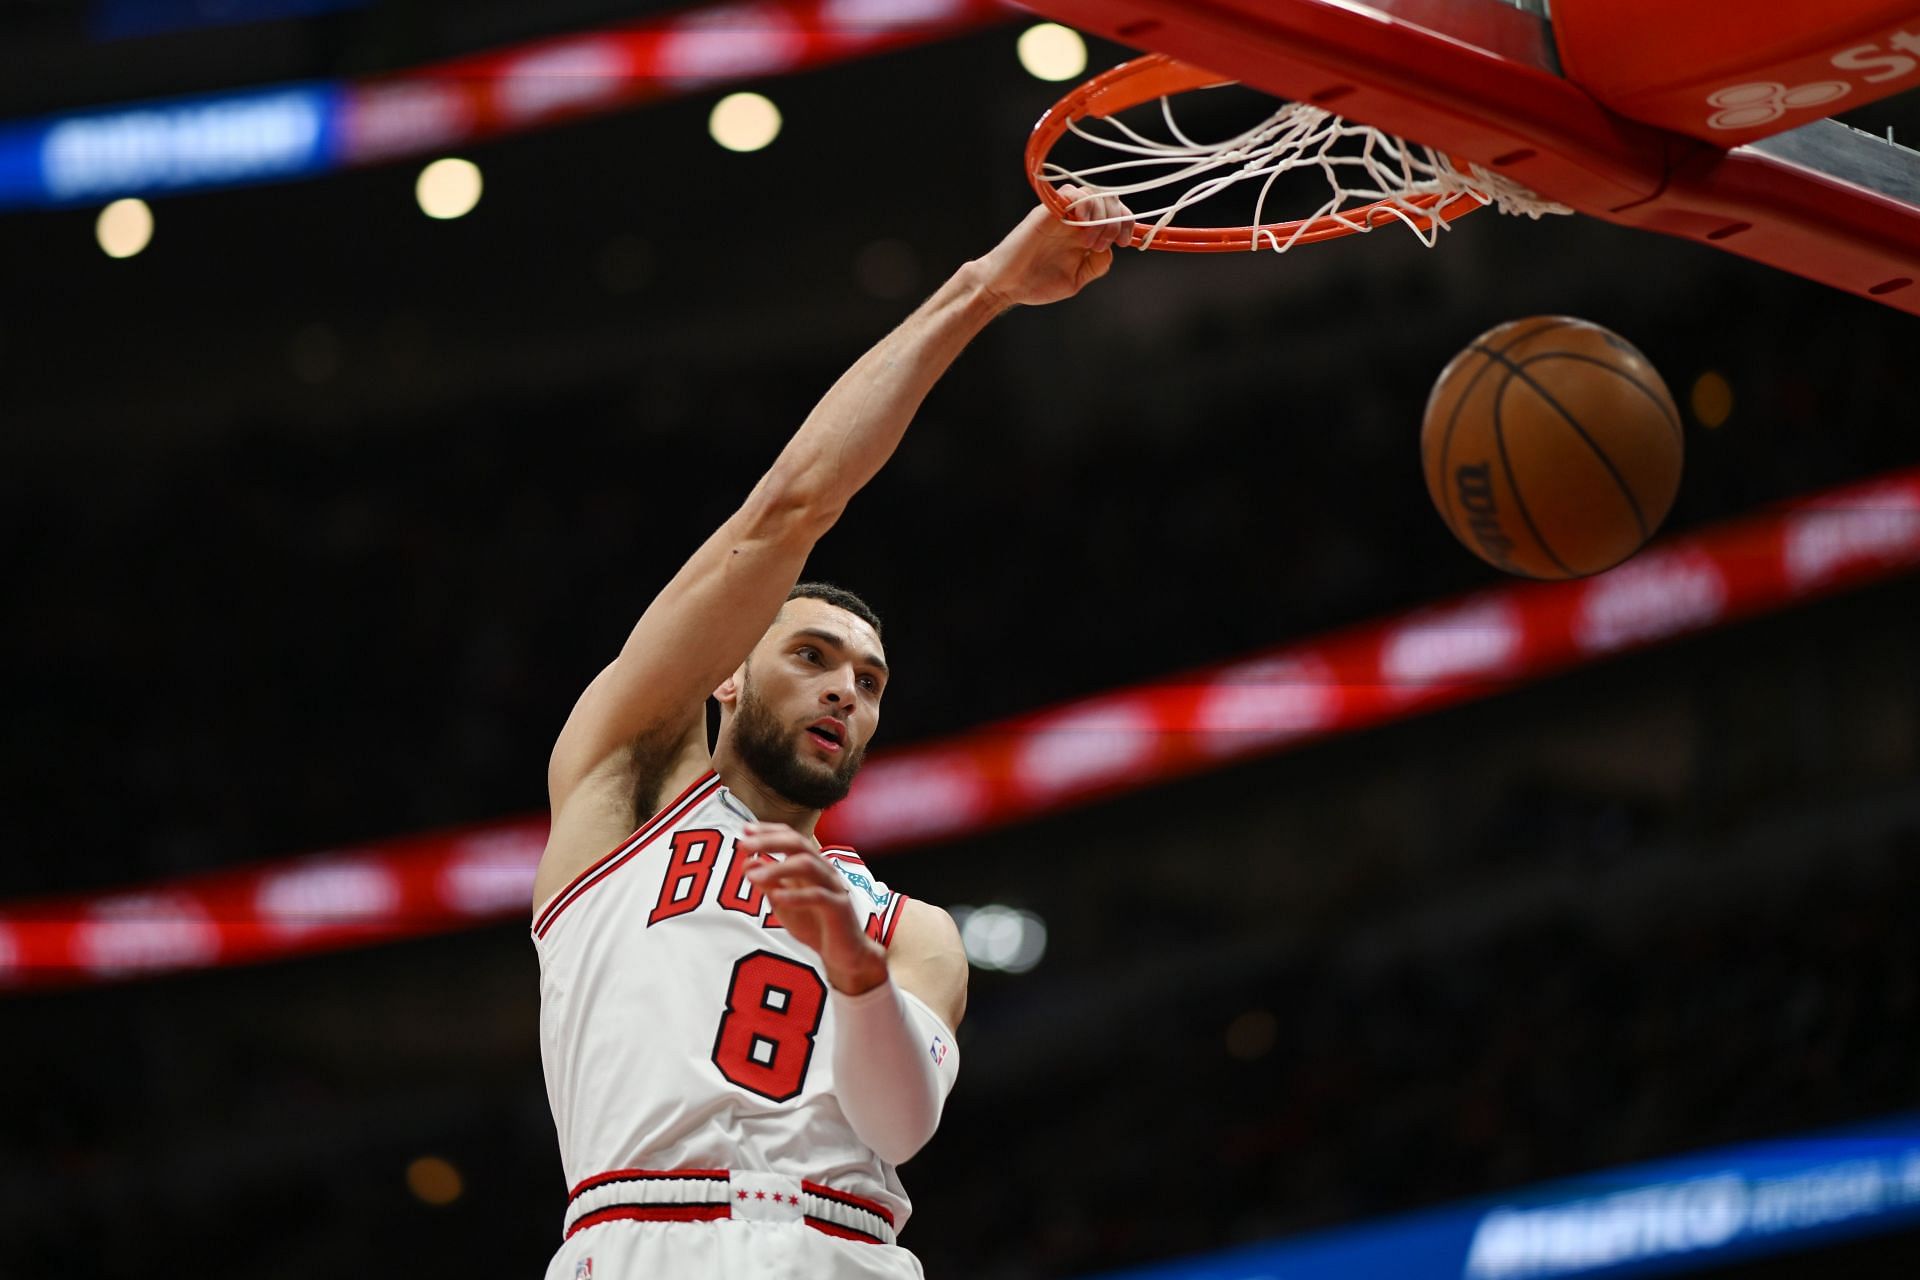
(744, 1033)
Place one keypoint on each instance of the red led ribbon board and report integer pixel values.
(1055, 759)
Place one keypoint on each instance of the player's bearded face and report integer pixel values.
(773, 749)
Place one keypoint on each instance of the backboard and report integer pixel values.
(1718, 146)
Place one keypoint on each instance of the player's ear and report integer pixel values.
(728, 691)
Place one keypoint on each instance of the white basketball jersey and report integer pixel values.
(681, 1027)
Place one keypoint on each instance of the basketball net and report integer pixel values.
(1374, 177)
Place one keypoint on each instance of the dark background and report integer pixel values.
(318, 514)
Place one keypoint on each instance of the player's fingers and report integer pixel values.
(787, 901)
(1081, 210)
(1113, 219)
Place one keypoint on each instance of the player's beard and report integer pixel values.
(770, 750)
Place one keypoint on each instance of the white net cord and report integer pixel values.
(1367, 171)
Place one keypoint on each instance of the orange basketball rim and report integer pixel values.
(1157, 76)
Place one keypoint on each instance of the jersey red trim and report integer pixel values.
(705, 784)
(895, 910)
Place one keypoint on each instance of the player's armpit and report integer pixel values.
(609, 801)
(926, 958)
(700, 627)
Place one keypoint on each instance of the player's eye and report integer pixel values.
(808, 653)
(868, 682)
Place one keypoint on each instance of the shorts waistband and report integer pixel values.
(706, 1195)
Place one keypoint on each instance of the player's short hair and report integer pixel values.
(839, 598)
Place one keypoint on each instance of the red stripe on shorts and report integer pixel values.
(845, 1233)
(651, 1213)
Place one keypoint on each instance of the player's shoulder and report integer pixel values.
(924, 926)
(858, 875)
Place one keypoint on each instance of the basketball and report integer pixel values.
(1552, 447)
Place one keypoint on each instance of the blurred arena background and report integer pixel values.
(320, 512)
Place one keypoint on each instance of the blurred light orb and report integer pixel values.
(1050, 51)
(744, 121)
(434, 1180)
(124, 228)
(448, 188)
(1005, 939)
(1711, 399)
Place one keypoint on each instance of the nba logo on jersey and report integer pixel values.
(583, 1269)
(938, 1049)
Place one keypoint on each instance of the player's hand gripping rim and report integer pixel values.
(1044, 259)
(811, 901)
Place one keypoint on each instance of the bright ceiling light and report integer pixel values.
(744, 122)
(124, 228)
(1050, 51)
(1003, 938)
(448, 188)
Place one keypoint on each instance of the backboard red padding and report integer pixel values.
(1729, 71)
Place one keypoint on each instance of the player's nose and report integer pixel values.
(841, 689)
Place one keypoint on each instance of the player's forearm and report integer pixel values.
(859, 422)
(894, 1062)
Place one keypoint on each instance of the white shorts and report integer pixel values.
(728, 1249)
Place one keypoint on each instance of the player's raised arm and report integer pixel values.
(650, 700)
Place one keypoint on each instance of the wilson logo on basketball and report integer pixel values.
(1473, 487)
(1551, 447)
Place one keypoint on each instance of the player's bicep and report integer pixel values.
(927, 959)
(697, 630)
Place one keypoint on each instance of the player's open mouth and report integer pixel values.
(826, 734)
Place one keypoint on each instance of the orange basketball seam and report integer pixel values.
(1506, 465)
(1633, 502)
(1659, 402)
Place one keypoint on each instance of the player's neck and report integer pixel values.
(767, 805)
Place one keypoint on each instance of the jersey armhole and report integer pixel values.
(890, 916)
(603, 866)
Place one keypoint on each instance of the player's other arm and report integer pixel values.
(895, 1058)
(895, 1009)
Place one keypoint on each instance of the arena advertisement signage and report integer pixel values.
(1675, 1215)
(1039, 763)
(287, 131)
